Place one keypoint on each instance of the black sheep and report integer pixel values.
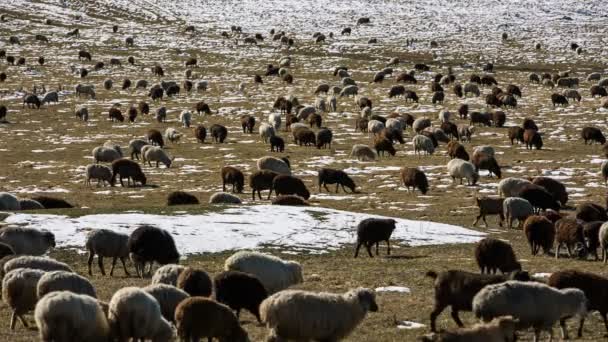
(148, 244)
(539, 197)
(195, 282)
(276, 143)
(589, 212)
(591, 232)
(200, 133)
(31, 101)
(52, 202)
(480, 118)
(292, 200)
(324, 137)
(261, 180)
(155, 137)
(593, 134)
(338, 177)
(128, 169)
(239, 291)
(218, 133)
(181, 198)
(516, 134)
(493, 254)
(556, 188)
(234, 176)
(371, 231)
(289, 185)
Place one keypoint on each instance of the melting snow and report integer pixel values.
(399, 289)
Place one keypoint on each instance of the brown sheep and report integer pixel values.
(593, 134)
(493, 254)
(570, 233)
(540, 233)
(414, 178)
(532, 139)
(516, 133)
(155, 137)
(315, 119)
(247, 123)
(304, 136)
(383, 144)
(489, 206)
(589, 212)
(128, 169)
(457, 150)
(200, 132)
(234, 176)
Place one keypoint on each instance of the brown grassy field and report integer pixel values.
(46, 151)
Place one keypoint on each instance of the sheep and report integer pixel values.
(218, 133)
(266, 131)
(589, 212)
(420, 124)
(276, 274)
(49, 97)
(538, 197)
(572, 94)
(34, 262)
(234, 176)
(363, 153)
(275, 121)
(371, 231)
(135, 147)
(593, 285)
(132, 304)
(261, 180)
(374, 127)
(515, 208)
(489, 206)
(9, 202)
(591, 232)
(304, 136)
(158, 155)
(149, 244)
(556, 188)
(181, 198)
(201, 317)
(414, 178)
(168, 297)
(19, 292)
(593, 134)
(383, 144)
(338, 177)
(109, 244)
(512, 186)
(569, 232)
(129, 169)
(465, 132)
(336, 315)
(155, 138)
(532, 139)
(240, 290)
(500, 329)
(101, 173)
(105, 154)
(493, 254)
(28, 241)
(64, 281)
(485, 161)
(194, 282)
(540, 233)
(167, 274)
(548, 83)
(247, 123)
(558, 99)
(458, 168)
(597, 90)
(289, 185)
(82, 89)
(471, 88)
(516, 133)
(423, 144)
(274, 164)
(224, 198)
(30, 204)
(603, 237)
(533, 304)
(52, 202)
(480, 118)
(200, 132)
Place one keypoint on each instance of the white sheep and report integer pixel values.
(275, 273)
(320, 104)
(515, 208)
(101, 173)
(156, 154)
(303, 315)
(350, 90)
(366, 112)
(66, 316)
(459, 169)
(285, 62)
(423, 144)
(465, 132)
(485, 149)
(224, 198)
(9, 201)
(135, 147)
(275, 120)
(114, 146)
(28, 241)
(30, 204)
(444, 116)
(86, 90)
(167, 274)
(533, 304)
(19, 292)
(64, 281)
(332, 103)
(510, 187)
(420, 124)
(105, 154)
(185, 117)
(35, 263)
(274, 164)
(374, 127)
(167, 296)
(603, 237)
(363, 152)
(395, 124)
(266, 131)
(295, 125)
(172, 135)
(110, 244)
(132, 304)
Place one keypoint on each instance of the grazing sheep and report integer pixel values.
(234, 176)
(484, 161)
(36, 263)
(135, 147)
(276, 274)
(480, 118)
(338, 177)
(320, 316)
(597, 90)
(516, 133)
(465, 132)
(167, 274)
(129, 169)
(591, 232)
(9, 202)
(540, 233)
(349, 90)
(374, 127)
(538, 197)
(363, 153)
(589, 212)
(181, 198)
(247, 123)
(149, 244)
(101, 173)
(515, 208)
(556, 188)
(195, 282)
(458, 168)
(533, 304)
(32, 101)
(82, 113)
(593, 134)
(82, 89)
(132, 304)
(274, 164)
(240, 290)
(49, 97)
(489, 206)
(185, 117)
(19, 292)
(198, 318)
(275, 121)
(109, 244)
(371, 231)
(155, 138)
(493, 254)
(291, 200)
(569, 232)
(572, 94)
(423, 144)
(457, 150)
(200, 132)
(168, 297)
(289, 185)
(471, 88)
(67, 316)
(558, 99)
(420, 124)
(224, 198)
(64, 281)
(29, 204)
(383, 144)
(52, 202)
(27, 241)
(261, 180)
(500, 329)
(266, 131)
(218, 133)
(414, 178)
(158, 155)
(512, 186)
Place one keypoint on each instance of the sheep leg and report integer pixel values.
(337, 187)
(23, 321)
(456, 318)
(270, 193)
(559, 245)
(435, 313)
(90, 261)
(388, 244)
(377, 247)
(124, 266)
(224, 186)
(357, 249)
(13, 320)
(326, 188)
(100, 262)
(569, 251)
(579, 332)
(368, 246)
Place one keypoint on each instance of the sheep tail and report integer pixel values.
(431, 274)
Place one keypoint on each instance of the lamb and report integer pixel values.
(27, 241)
(336, 315)
(195, 282)
(540, 233)
(570, 233)
(276, 274)
(240, 290)
(149, 244)
(414, 178)
(512, 186)
(65, 316)
(200, 317)
(423, 144)
(167, 274)
(105, 154)
(168, 297)
(109, 244)
(158, 155)
(324, 138)
(515, 208)
(371, 231)
(64, 281)
(493, 254)
(593, 285)
(420, 124)
(261, 180)
(274, 164)
(35, 262)
(533, 304)
(129, 169)
(224, 198)
(338, 177)
(135, 147)
(538, 197)
(9, 202)
(489, 206)
(101, 173)
(593, 134)
(363, 153)
(266, 131)
(132, 304)
(289, 185)
(556, 188)
(458, 168)
(19, 292)
(500, 329)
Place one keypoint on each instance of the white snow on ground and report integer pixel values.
(308, 229)
(399, 289)
(409, 325)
